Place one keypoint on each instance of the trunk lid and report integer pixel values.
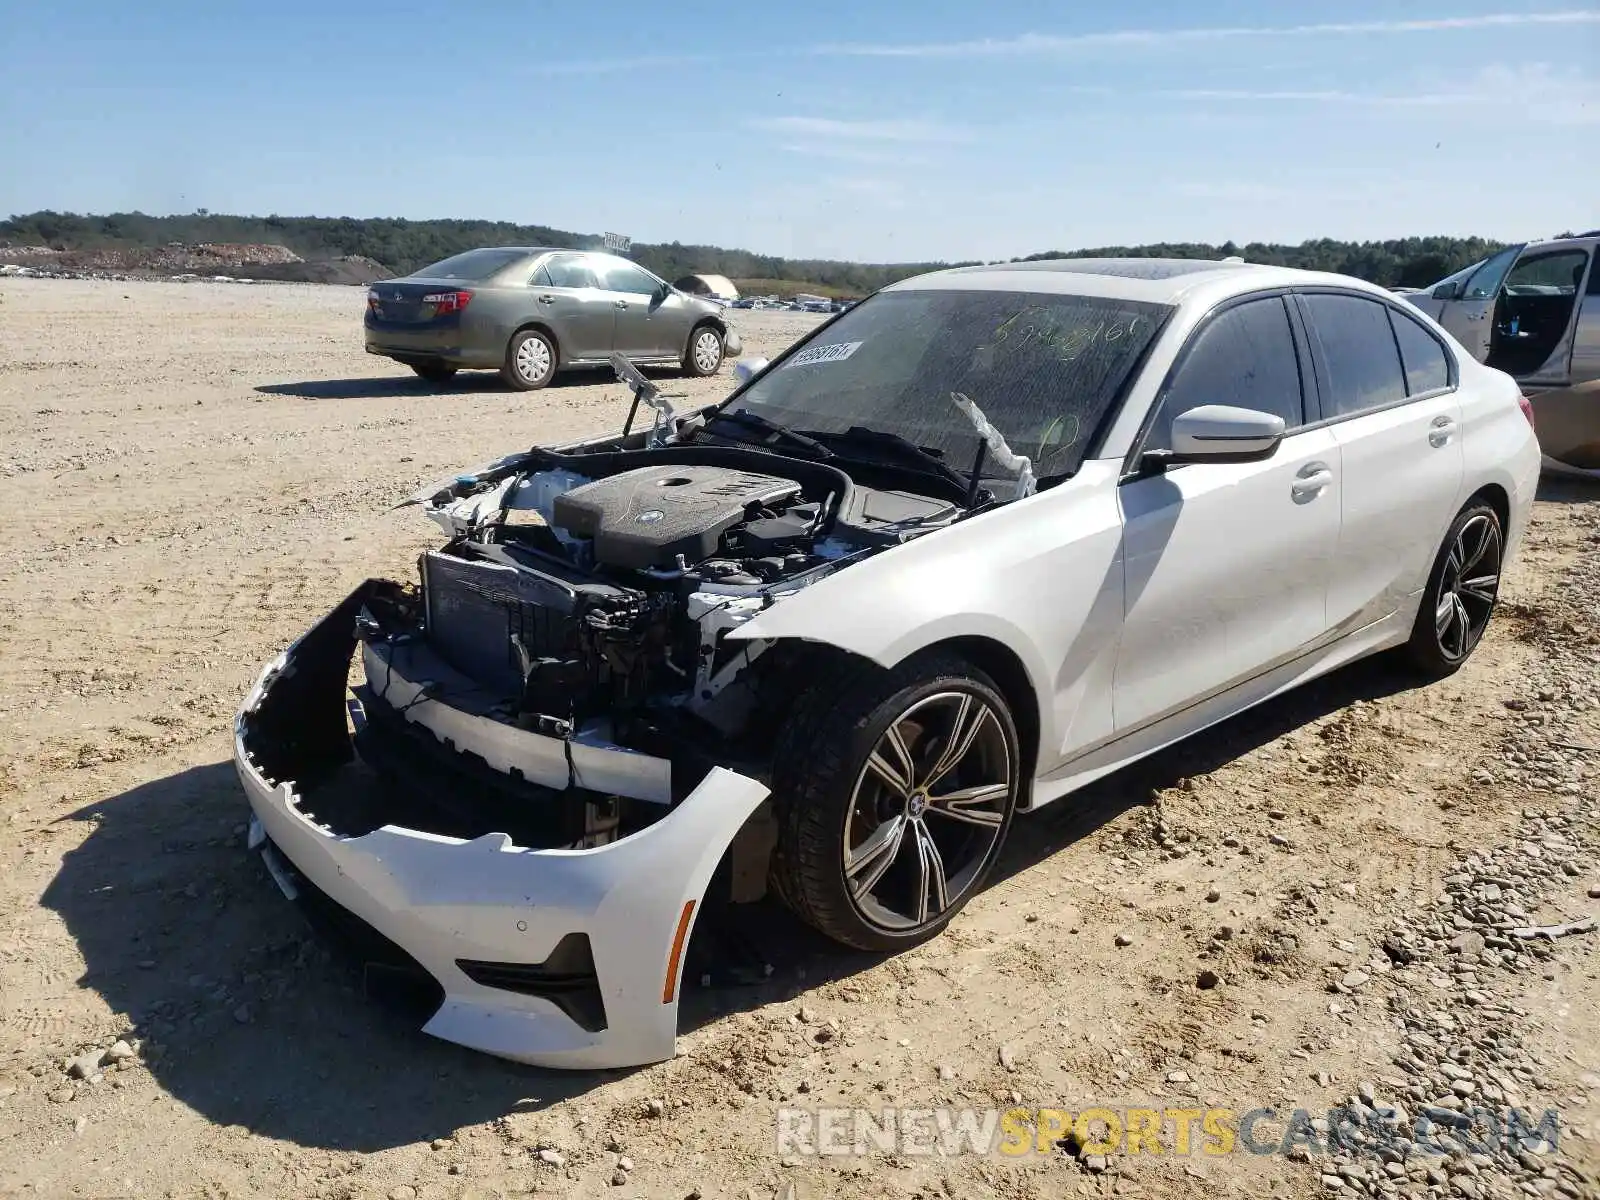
(415, 301)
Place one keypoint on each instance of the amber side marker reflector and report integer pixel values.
(670, 988)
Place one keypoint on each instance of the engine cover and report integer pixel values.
(646, 518)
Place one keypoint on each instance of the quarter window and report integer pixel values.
(1359, 351)
(1246, 358)
(1427, 368)
(1594, 279)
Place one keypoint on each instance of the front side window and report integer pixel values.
(1359, 352)
(1485, 281)
(625, 277)
(1244, 357)
(1044, 369)
(1426, 365)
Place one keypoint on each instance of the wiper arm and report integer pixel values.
(904, 449)
(756, 421)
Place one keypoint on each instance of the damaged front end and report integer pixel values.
(515, 779)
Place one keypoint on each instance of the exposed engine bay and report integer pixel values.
(591, 587)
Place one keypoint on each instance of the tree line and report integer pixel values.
(403, 245)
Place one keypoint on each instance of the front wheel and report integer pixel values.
(894, 791)
(530, 361)
(705, 352)
(1461, 593)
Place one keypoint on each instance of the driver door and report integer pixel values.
(1468, 312)
(1226, 566)
(645, 328)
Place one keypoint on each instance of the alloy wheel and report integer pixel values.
(927, 810)
(1468, 587)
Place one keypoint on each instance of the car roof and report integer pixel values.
(1170, 281)
(1588, 240)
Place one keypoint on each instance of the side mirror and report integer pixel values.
(747, 369)
(1446, 291)
(1220, 433)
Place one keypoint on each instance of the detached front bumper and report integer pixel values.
(559, 958)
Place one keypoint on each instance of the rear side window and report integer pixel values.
(1246, 358)
(1594, 279)
(1358, 349)
(570, 272)
(1427, 368)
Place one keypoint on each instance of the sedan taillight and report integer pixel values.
(372, 299)
(446, 302)
(1527, 410)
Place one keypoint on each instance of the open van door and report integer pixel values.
(1464, 303)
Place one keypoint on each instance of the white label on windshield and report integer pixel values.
(837, 352)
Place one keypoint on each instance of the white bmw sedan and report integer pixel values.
(984, 537)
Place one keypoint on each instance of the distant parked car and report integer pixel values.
(1533, 311)
(529, 312)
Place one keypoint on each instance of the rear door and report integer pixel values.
(1538, 316)
(568, 297)
(1226, 565)
(1387, 388)
(1468, 308)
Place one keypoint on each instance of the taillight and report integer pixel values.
(447, 302)
(1527, 410)
(372, 300)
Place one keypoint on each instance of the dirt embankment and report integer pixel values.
(209, 260)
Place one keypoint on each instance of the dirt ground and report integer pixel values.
(191, 474)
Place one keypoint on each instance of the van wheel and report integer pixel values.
(530, 361)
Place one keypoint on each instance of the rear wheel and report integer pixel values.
(530, 361)
(1461, 593)
(434, 372)
(894, 791)
(704, 355)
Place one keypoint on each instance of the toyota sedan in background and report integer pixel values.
(529, 312)
(987, 536)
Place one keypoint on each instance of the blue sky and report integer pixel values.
(908, 129)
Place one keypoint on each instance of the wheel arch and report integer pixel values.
(1498, 499)
(808, 660)
(538, 326)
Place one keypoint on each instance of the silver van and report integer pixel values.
(1533, 311)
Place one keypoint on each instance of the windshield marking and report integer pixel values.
(833, 352)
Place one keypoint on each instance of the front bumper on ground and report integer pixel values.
(486, 906)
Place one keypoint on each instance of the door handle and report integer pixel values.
(1310, 480)
(622, 304)
(1441, 431)
(547, 299)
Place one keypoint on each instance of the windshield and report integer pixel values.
(473, 265)
(1043, 368)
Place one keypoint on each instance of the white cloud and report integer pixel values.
(1048, 44)
(877, 156)
(1533, 92)
(914, 131)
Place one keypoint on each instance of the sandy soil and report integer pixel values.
(191, 474)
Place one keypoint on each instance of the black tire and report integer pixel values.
(435, 372)
(824, 787)
(1464, 586)
(531, 361)
(697, 360)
